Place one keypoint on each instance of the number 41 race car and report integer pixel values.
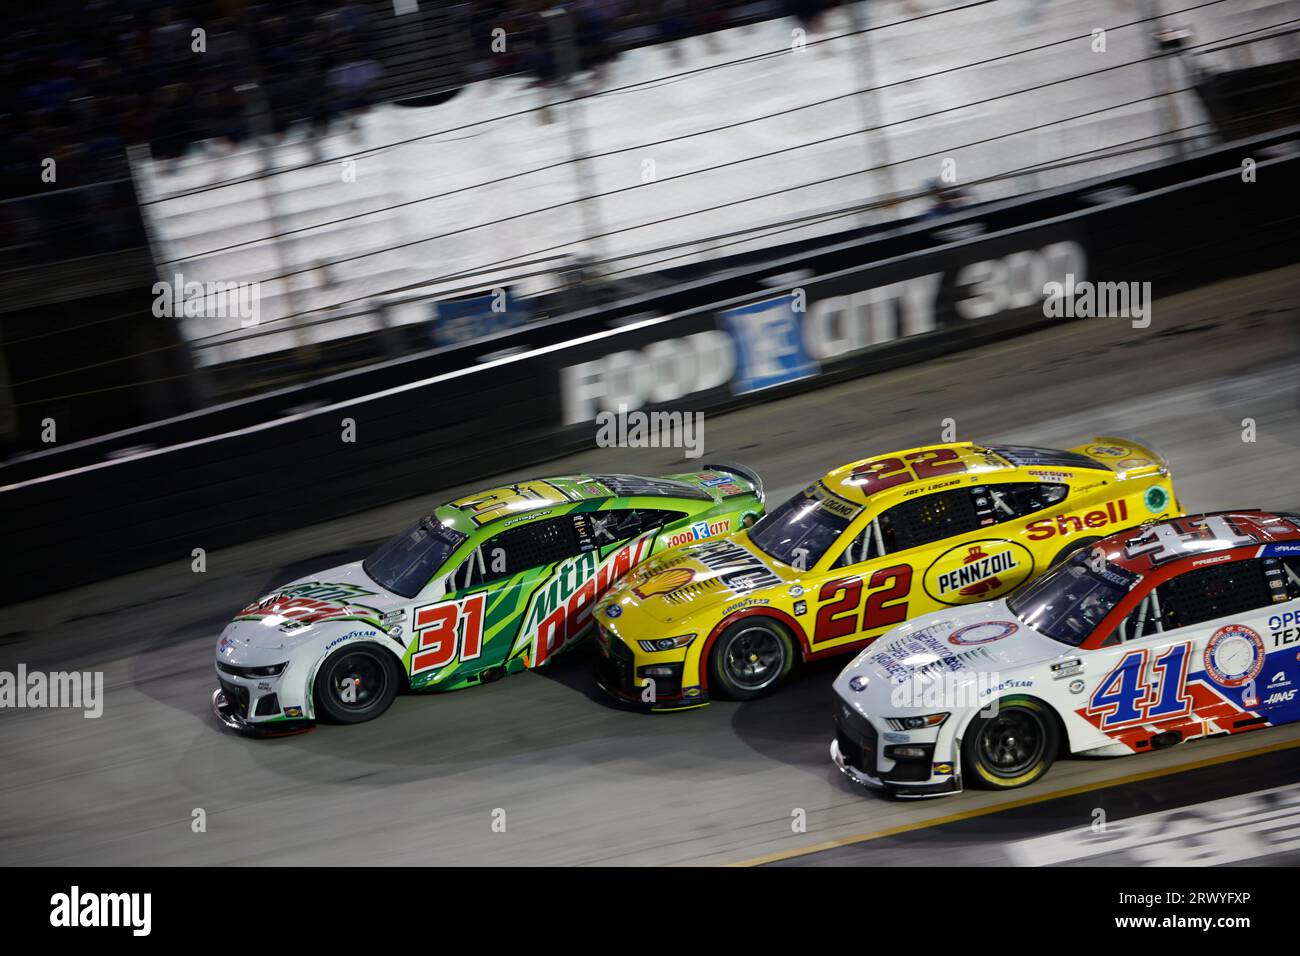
(487, 585)
(1165, 633)
(867, 547)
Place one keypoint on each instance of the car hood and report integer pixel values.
(697, 577)
(979, 649)
(297, 612)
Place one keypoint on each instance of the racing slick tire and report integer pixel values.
(356, 683)
(751, 658)
(1070, 548)
(1012, 748)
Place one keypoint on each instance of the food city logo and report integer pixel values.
(637, 429)
(179, 299)
(74, 690)
(699, 531)
(786, 338)
(75, 909)
(1081, 299)
(978, 571)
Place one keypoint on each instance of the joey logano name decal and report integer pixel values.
(978, 571)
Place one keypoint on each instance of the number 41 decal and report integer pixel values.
(1146, 686)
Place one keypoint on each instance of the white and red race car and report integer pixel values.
(1156, 635)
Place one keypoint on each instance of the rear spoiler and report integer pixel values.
(731, 468)
(1127, 457)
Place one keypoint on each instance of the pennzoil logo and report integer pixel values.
(978, 571)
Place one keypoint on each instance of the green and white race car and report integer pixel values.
(486, 585)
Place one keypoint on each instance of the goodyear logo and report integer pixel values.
(978, 571)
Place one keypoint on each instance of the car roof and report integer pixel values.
(533, 498)
(987, 460)
(1192, 537)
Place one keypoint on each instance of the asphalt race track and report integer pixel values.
(581, 781)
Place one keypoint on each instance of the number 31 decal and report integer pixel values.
(445, 627)
(1146, 686)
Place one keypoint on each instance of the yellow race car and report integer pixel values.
(870, 545)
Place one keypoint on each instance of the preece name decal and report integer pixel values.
(1116, 513)
(832, 326)
(558, 611)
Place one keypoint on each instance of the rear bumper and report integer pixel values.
(227, 711)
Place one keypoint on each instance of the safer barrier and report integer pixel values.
(101, 518)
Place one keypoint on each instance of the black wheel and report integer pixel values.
(1072, 547)
(751, 658)
(1011, 748)
(356, 683)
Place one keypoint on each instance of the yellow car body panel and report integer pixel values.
(1014, 510)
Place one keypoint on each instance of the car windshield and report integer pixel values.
(1068, 602)
(406, 562)
(798, 532)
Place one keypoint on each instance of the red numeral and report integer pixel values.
(936, 462)
(881, 613)
(439, 634)
(829, 626)
(885, 606)
(886, 472)
(881, 474)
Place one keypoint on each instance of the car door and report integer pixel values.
(864, 591)
(1189, 657)
(952, 541)
(477, 624)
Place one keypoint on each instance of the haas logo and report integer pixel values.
(991, 583)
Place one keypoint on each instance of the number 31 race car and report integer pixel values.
(865, 548)
(487, 585)
(1172, 631)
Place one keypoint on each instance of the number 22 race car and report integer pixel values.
(485, 586)
(868, 546)
(1177, 630)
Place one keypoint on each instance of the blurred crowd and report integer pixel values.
(80, 80)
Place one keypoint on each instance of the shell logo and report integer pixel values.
(978, 571)
(665, 582)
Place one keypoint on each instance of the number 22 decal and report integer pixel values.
(838, 617)
(882, 473)
(1133, 694)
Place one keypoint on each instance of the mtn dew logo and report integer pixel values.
(560, 609)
